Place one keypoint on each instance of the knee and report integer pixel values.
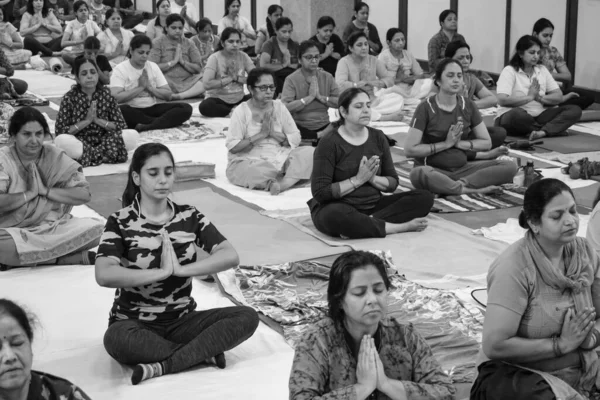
(424, 198)
(497, 135)
(250, 318)
(70, 145)
(187, 109)
(131, 138)
(573, 112)
(205, 108)
(20, 85)
(418, 175)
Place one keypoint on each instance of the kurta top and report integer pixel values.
(191, 12)
(324, 365)
(164, 49)
(44, 386)
(240, 23)
(373, 35)
(206, 48)
(315, 114)
(243, 126)
(135, 243)
(370, 69)
(329, 64)
(74, 107)
(127, 77)
(336, 160)
(551, 58)
(408, 63)
(76, 31)
(98, 13)
(109, 42)
(436, 48)
(9, 35)
(271, 47)
(154, 31)
(240, 63)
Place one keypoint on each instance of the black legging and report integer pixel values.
(130, 21)
(213, 107)
(341, 219)
(280, 79)
(583, 101)
(19, 85)
(31, 44)
(309, 134)
(158, 116)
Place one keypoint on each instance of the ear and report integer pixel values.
(136, 178)
(535, 227)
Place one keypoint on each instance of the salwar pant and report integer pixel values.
(339, 219)
(31, 44)
(111, 148)
(213, 107)
(259, 174)
(188, 341)
(280, 79)
(158, 116)
(474, 174)
(554, 121)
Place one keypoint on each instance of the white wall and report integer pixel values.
(587, 64)
(214, 10)
(526, 12)
(384, 15)
(423, 24)
(261, 11)
(484, 34)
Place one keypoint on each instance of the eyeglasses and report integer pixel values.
(264, 88)
(312, 58)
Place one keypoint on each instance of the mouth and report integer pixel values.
(12, 370)
(373, 312)
(571, 231)
(162, 190)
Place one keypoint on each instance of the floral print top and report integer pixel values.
(324, 366)
(48, 387)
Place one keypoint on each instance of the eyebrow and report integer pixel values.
(366, 286)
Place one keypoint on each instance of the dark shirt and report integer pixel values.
(103, 63)
(373, 35)
(336, 160)
(330, 64)
(122, 3)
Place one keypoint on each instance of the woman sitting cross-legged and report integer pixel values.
(156, 27)
(11, 44)
(475, 90)
(329, 44)
(224, 76)
(267, 31)
(352, 167)
(41, 30)
(358, 352)
(279, 54)
(360, 70)
(233, 19)
(530, 96)
(551, 58)
(7, 69)
(17, 378)
(205, 41)
(115, 39)
(90, 127)
(309, 92)
(445, 135)
(263, 141)
(39, 184)
(138, 83)
(77, 31)
(541, 328)
(179, 60)
(148, 253)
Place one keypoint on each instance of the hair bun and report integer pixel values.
(523, 220)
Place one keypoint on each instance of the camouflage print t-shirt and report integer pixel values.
(49, 387)
(135, 242)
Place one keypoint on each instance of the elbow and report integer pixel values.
(503, 102)
(101, 279)
(409, 151)
(493, 101)
(492, 349)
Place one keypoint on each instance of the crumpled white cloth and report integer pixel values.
(510, 231)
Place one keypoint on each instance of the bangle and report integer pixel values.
(302, 101)
(352, 183)
(106, 125)
(555, 346)
(354, 84)
(326, 99)
(76, 127)
(25, 195)
(471, 145)
(222, 82)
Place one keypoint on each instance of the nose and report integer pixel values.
(7, 354)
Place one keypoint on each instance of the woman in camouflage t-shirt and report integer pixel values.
(148, 253)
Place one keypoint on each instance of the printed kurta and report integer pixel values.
(325, 368)
(163, 50)
(135, 243)
(100, 146)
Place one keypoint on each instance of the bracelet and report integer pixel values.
(354, 84)
(25, 195)
(302, 101)
(471, 146)
(106, 125)
(326, 99)
(352, 183)
(76, 127)
(555, 346)
(222, 82)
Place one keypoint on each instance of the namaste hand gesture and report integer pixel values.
(534, 89)
(367, 169)
(454, 134)
(178, 55)
(313, 88)
(183, 12)
(287, 58)
(92, 114)
(366, 369)
(144, 81)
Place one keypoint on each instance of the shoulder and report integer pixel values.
(371, 27)
(512, 262)
(470, 105)
(508, 70)
(325, 75)
(376, 134)
(124, 216)
(427, 105)
(321, 332)
(241, 110)
(62, 387)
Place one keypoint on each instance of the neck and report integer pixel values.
(162, 18)
(449, 32)
(152, 207)
(25, 158)
(83, 22)
(552, 251)
(353, 130)
(396, 53)
(309, 72)
(527, 68)
(136, 65)
(116, 30)
(448, 99)
(88, 91)
(360, 23)
(260, 104)
(321, 39)
(284, 42)
(357, 331)
(357, 57)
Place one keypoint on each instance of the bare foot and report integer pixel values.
(275, 188)
(416, 225)
(399, 116)
(57, 54)
(488, 190)
(536, 135)
(175, 96)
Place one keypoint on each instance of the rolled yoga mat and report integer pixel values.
(56, 65)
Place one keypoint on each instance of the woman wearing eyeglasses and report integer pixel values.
(309, 92)
(263, 140)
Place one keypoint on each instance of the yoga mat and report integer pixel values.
(445, 256)
(257, 238)
(574, 142)
(56, 65)
(45, 83)
(72, 311)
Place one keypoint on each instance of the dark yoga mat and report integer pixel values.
(574, 142)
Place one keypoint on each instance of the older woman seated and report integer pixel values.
(541, 330)
(39, 184)
(115, 39)
(358, 352)
(90, 127)
(309, 92)
(11, 43)
(179, 60)
(263, 141)
(360, 70)
(445, 134)
(17, 378)
(352, 167)
(530, 96)
(7, 69)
